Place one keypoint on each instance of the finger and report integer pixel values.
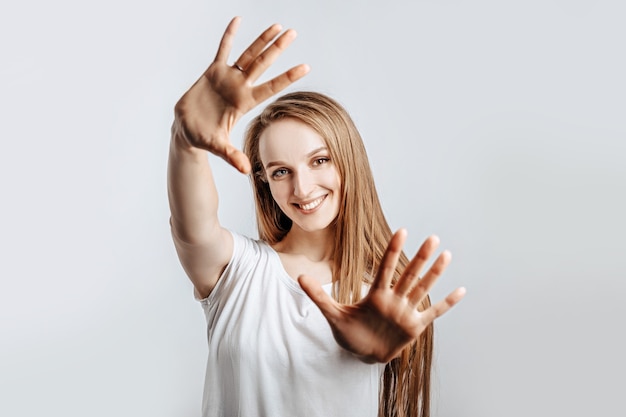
(226, 43)
(233, 156)
(255, 49)
(390, 260)
(279, 83)
(411, 274)
(238, 159)
(424, 285)
(228, 152)
(324, 302)
(440, 308)
(269, 55)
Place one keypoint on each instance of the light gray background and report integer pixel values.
(498, 125)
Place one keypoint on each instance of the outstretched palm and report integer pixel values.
(386, 320)
(207, 112)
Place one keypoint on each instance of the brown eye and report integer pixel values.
(320, 161)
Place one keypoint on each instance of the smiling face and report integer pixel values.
(302, 178)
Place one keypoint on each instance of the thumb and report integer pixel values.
(220, 146)
(237, 159)
(324, 302)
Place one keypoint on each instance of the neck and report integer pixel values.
(317, 246)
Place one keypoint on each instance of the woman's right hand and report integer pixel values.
(207, 112)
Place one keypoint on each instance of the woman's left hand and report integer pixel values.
(386, 320)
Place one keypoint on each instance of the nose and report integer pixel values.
(303, 184)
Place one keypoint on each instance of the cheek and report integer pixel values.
(279, 192)
(331, 179)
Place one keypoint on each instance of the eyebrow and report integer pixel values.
(310, 154)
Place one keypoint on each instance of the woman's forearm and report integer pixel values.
(191, 191)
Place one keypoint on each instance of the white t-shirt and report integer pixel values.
(271, 351)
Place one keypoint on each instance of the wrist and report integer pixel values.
(179, 145)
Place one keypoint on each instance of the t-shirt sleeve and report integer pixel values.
(245, 252)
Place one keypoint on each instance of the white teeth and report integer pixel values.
(312, 204)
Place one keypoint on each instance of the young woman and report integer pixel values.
(318, 316)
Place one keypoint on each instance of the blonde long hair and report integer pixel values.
(361, 234)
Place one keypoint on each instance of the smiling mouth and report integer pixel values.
(312, 205)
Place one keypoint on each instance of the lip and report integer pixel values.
(318, 200)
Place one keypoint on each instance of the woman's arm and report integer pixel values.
(204, 118)
(203, 246)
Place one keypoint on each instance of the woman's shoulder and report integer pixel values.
(250, 253)
(244, 244)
